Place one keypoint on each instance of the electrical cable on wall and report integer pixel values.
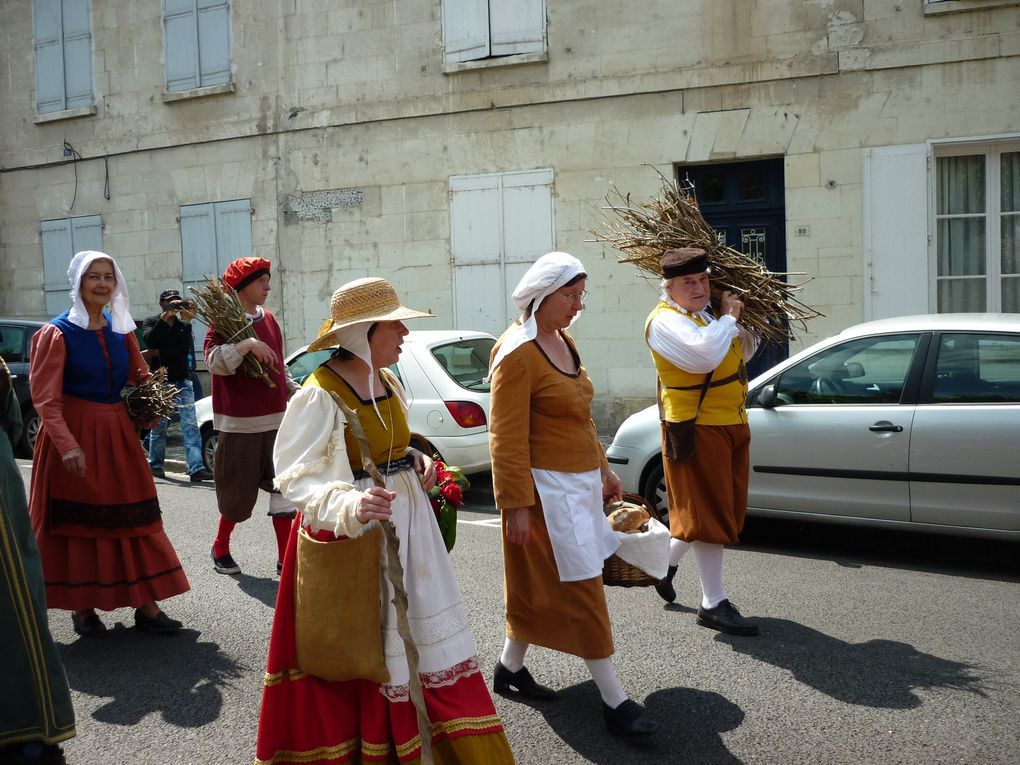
(70, 151)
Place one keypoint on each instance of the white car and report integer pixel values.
(912, 422)
(444, 373)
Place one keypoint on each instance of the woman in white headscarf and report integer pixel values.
(312, 715)
(550, 478)
(93, 502)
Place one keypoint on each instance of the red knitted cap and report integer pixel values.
(244, 271)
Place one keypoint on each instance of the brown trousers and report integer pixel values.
(242, 465)
(708, 493)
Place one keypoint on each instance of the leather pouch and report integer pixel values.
(679, 442)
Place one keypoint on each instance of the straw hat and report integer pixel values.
(369, 299)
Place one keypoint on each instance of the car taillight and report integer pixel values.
(467, 413)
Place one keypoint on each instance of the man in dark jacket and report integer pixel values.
(169, 333)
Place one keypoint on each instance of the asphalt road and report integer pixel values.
(875, 648)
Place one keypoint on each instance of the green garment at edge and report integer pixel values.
(35, 704)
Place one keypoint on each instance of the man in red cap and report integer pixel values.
(247, 413)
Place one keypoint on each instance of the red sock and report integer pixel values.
(221, 546)
(281, 525)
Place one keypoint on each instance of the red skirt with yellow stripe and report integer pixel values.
(311, 721)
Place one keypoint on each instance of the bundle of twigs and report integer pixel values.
(152, 399)
(221, 309)
(673, 221)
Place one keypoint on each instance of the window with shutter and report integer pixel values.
(500, 223)
(482, 29)
(196, 41)
(61, 239)
(212, 235)
(63, 54)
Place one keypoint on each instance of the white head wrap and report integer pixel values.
(546, 275)
(119, 306)
(354, 338)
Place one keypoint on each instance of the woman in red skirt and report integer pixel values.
(93, 502)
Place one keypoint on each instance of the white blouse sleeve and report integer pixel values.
(312, 469)
(692, 348)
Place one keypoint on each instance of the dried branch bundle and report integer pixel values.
(672, 221)
(221, 309)
(152, 399)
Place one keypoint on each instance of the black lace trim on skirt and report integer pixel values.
(66, 513)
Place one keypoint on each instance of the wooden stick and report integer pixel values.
(395, 573)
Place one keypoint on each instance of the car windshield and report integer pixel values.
(466, 361)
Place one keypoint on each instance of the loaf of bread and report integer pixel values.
(627, 517)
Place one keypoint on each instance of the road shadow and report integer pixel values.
(262, 588)
(879, 673)
(692, 722)
(854, 547)
(176, 676)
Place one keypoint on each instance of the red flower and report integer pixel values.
(452, 493)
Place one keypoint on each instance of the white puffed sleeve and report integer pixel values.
(312, 468)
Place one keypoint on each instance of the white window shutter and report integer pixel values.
(213, 42)
(233, 231)
(180, 44)
(56, 247)
(49, 56)
(86, 233)
(465, 30)
(198, 257)
(476, 243)
(77, 54)
(897, 273)
(517, 26)
(527, 215)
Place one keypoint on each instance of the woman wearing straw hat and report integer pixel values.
(305, 717)
(550, 478)
(93, 502)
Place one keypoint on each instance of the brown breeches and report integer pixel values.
(708, 493)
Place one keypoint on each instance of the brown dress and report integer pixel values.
(541, 418)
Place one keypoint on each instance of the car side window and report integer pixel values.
(977, 368)
(303, 365)
(466, 362)
(12, 344)
(869, 370)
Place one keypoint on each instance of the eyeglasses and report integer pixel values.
(574, 297)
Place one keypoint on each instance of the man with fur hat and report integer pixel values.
(700, 361)
(247, 414)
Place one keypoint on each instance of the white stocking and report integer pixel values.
(604, 675)
(710, 559)
(513, 654)
(677, 549)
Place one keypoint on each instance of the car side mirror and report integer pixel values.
(768, 397)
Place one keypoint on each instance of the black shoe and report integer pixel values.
(726, 618)
(161, 623)
(32, 753)
(225, 564)
(157, 472)
(665, 586)
(201, 475)
(88, 626)
(504, 680)
(628, 718)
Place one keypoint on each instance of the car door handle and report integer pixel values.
(884, 426)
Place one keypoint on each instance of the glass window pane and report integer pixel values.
(961, 185)
(1010, 259)
(303, 365)
(977, 369)
(466, 362)
(1011, 294)
(12, 344)
(1010, 181)
(869, 370)
(961, 247)
(962, 296)
(752, 187)
(712, 190)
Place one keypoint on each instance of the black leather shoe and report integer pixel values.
(201, 475)
(726, 618)
(88, 626)
(161, 623)
(224, 564)
(665, 587)
(157, 472)
(628, 718)
(504, 680)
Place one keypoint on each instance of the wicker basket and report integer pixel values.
(616, 572)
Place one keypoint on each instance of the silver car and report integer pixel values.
(444, 373)
(912, 422)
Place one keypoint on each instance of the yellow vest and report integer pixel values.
(378, 436)
(724, 400)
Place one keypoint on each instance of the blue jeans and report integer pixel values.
(189, 430)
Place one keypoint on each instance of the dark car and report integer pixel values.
(15, 346)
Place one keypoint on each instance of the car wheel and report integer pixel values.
(31, 422)
(208, 446)
(654, 491)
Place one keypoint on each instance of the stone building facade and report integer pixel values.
(444, 144)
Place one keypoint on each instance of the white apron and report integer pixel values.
(578, 530)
